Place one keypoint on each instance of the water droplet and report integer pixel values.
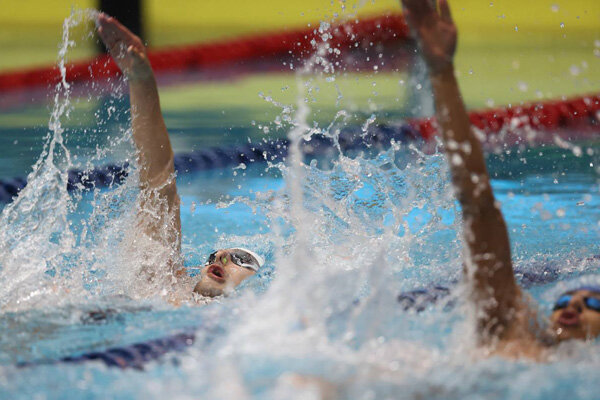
(516, 28)
(554, 7)
(456, 160)
(574, 70)
(562, 24)
(523, 87)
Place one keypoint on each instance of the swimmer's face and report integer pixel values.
(221, 275)
(576, 320)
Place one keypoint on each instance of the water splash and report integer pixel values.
(346, 235)
(346, 240)
(58, 246)
(37, 220)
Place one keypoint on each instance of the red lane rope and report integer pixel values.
(583, 111)
(365, 33)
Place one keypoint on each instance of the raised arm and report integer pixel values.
(488, 265)
(159, 208)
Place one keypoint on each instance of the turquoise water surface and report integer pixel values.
(356, 337)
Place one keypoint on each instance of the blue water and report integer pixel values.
(371, 226)
(553, 216)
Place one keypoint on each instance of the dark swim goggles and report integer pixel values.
(593, 303)
(242, 257)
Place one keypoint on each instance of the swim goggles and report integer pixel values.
(593, 303)
(242, 257)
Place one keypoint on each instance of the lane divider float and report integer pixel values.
(272, 46)
(575, 113)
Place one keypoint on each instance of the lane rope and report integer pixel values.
(582, 111)
(138, 355)
(361, 34)
(575, 113)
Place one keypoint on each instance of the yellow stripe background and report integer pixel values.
(30, 29)
(509, 50)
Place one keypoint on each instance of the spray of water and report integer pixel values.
(346, 239)
(57, 246)
(357, 226)
(37, 221)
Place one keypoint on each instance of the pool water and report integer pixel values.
(372, 236)
(342, 237)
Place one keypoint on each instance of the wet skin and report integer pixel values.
(222, 276)
(503, 316)
(576, 321)
(155, 156)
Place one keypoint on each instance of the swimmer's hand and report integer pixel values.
(126, 49)
(434, 30)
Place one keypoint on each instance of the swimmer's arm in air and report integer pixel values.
(155, 155)
(488, 264)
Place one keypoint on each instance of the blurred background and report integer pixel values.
(510, 51)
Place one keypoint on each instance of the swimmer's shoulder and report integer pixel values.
(524, 348)
(526, 337)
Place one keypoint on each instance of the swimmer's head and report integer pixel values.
(225, 269)
(576, 314)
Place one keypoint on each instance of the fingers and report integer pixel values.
(107, 31)
(445, 10)
(106, 38)
(121, 30)
(136, 54)
(418, 8)
(407, 15)
(125, 47)
(421, 8)
(112, 31)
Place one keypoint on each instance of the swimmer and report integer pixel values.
(224, 269)
(505, 321)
